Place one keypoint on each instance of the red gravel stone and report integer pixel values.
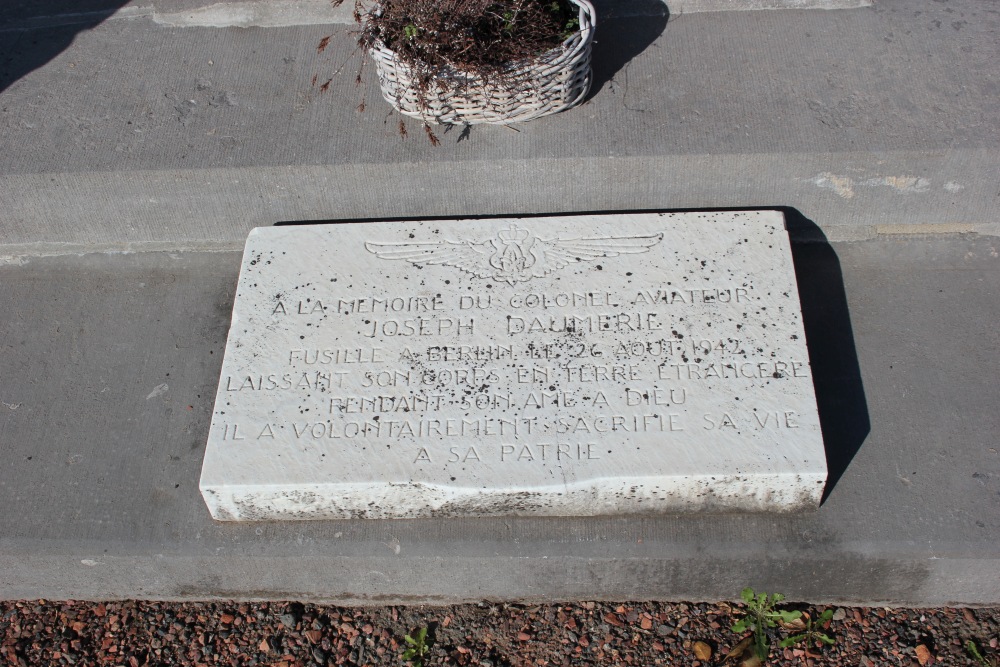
(141, 634)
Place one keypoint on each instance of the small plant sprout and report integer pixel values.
(418, 647)
(973, 651)
(761, 618)
(812, 633)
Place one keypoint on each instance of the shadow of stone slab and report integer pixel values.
(840, 393)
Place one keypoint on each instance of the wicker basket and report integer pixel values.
(556, 80)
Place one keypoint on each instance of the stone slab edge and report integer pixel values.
(280, 13)
(285, 13)
(693, 6)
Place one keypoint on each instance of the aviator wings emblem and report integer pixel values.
(514, 255)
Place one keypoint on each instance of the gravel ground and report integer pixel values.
(492, 635)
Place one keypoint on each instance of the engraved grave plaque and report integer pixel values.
(581, 365)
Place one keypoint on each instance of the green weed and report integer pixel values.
(973, 651)
(418, 647)
(812, 633)
(761, 617)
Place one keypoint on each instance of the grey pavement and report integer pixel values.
(108, 369)
(141, 140)
(129, 133)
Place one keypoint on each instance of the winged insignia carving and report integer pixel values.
(514, 255)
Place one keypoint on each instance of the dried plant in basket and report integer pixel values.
(479, 61)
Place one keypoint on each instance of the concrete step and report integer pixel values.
(32, 14)
(108, 370)
(131, 133)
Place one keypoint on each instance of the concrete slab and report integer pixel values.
(559, 366)
(108, 366)
(885, 115)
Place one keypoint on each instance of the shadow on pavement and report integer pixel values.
(623, 31)
(33, 32)
(840, 393)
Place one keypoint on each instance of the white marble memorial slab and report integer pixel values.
(581, 365)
